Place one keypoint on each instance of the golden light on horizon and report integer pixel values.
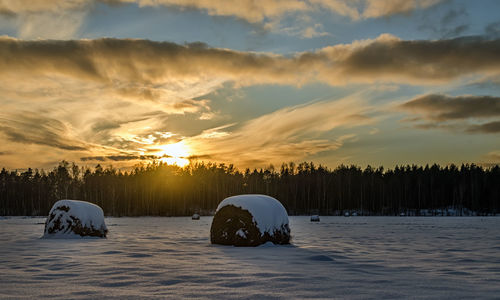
(175, 154)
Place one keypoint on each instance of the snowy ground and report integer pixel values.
(356, 258)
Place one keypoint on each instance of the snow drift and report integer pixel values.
(250, 220)
(73, 218)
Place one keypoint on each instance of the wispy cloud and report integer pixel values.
(30, 128)
(290, 133)
(57, 19)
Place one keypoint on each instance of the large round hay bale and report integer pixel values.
(73, 218)
(250, 220)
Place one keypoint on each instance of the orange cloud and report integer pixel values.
(250, 10)
(384, 8)
(61, 19)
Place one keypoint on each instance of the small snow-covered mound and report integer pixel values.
(73, 218)
(250, 220)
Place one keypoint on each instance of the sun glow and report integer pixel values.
(175, 154)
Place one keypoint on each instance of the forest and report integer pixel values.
(158, 189)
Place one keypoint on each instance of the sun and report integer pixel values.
(175, 154)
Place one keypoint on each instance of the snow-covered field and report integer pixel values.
(356, 258)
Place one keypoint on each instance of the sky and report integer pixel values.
(249, 82)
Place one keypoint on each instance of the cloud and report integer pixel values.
(491, 159)
(455, 113)
(388, 58)
(78, 75)
(453, 24)
(491, 127)
(30, 128)
(385, 8)
(154, 66)
(302, 27)
(260, 10)
(250, 10)
(104, 125)
(290, 133)
(493, 30)
(442, 107)
(493, 156)
(62, 19)
(119, 158)
(341, 7)
(118, 97)
(46, 19)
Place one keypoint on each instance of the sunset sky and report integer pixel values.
(249, 82)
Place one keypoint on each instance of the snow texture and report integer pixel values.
(268, 213)
(340, 258)
(75, 219)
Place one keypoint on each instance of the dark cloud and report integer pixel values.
(93, 158)
(31, 128)
(124, 60)
(491, 127)
(452, 24)
(204, 156)
(443, 107)
(493, 29)
(455, 113)
(423, 61)
(452, 15)
(455, 31)
(5, 12)
(142, 63)
(103, 125)
(123, 157)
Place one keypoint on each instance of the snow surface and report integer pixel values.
(172, 258)
(90, 215)
(267, 212)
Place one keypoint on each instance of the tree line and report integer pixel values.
(159, 189)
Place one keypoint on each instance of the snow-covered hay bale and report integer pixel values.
(250, 220)
(314, 218)
(73, 218)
